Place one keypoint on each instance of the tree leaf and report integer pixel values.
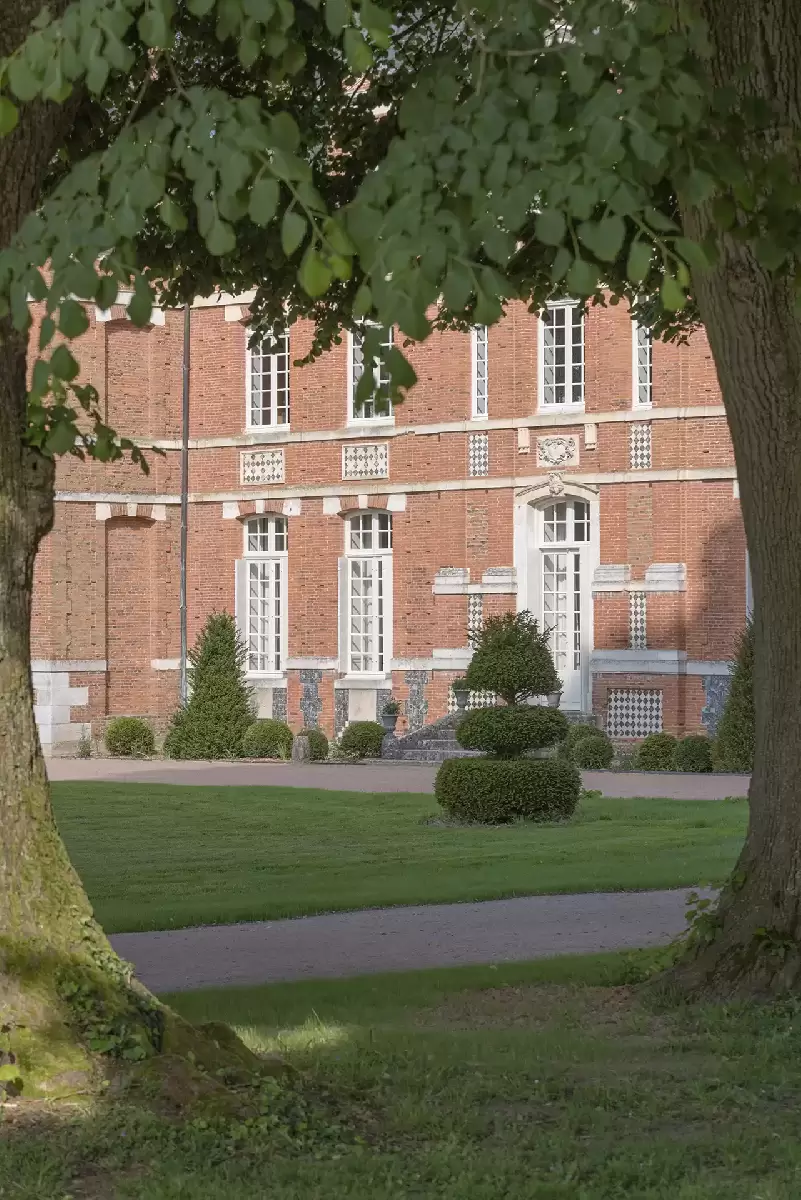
(377, 21)
(357, 51)
(264, 197)
(172, 215)
(61, 438)
(72, 319)
(639, 261)
(314, 274)
(582, 278)
(200, 8)
(221, 238)
(293, 231)
(284, 133)
(338, 14)
(550, 227)
(63, 365)
(672, 294)
(140, 306)
(458, 287)
(400, 369)
(22, 81)
(9, 115)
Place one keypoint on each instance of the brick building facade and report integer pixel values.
(563, 464)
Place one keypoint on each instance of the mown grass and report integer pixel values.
(160, 857)
(545, 1081)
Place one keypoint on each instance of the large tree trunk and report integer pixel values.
(753, 944)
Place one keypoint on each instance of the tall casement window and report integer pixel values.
(562, 356)
(268, 383)
(366, 594)
(642, 365)
(564, 535)
(371, 410)
(480, 346)
(262, 594)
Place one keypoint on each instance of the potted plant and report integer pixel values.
(389, 714)
(461, 694)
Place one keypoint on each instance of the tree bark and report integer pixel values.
(752, 945)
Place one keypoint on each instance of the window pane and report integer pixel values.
(480, 355)
(269, 381)
(581, 521)
(372, 407)
(643, 365)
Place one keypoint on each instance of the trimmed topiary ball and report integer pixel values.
(363, 739)
(694, 753)
(575, 733)
(130, 737)
(657, 752)
(267, 739)
(593, 753)
(509, 732)
(512, 658)
(495, 791)
(318, 744)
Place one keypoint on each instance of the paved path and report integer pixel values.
(402, 939)
(370, 777)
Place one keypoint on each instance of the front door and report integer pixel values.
(561, 559)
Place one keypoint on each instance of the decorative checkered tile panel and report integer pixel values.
(478, 454)
(634, 713)
(475, 700)
(262, 466)
(640, 447)
(637, 622)
(365, 460)
(475, 614)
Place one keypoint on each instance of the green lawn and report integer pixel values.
(537, 1081)
(155, 857)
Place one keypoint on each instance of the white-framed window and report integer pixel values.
(262, 594)
(366, 594)
(642, 366)
(268, 369)
(562, 355)
(480, 361)
(372, 409)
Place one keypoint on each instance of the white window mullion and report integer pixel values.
(642, 365)
(562, 356)
(480, 359)
(268, 383)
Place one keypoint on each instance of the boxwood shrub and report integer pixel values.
(694, 753)
(495, 791)
(130, 737)
(594, 752)
(267, 739)
(362, 739)
(508, 732)
(657, 752)
(318, 744)
(575, 733)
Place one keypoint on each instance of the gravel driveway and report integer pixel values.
(402, 939)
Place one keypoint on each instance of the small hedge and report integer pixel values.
(657, 752)
(694, 754)
(593, 753)
(736, 732)
(318, 743)
(575, 734)
(363, 739)
(267, 739)
(508, 732)
(495, 791)
(130, 737)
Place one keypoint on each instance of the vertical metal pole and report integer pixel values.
(184, 494)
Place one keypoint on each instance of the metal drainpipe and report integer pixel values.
(184, 496)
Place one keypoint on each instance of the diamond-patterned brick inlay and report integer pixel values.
(475, 700)
(365, 460)
(637, 621)
(475, 614)
(478, 454)
(262, 466)
(640, 447)
(633, 714)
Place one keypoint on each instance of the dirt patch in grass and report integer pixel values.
(538, 1008)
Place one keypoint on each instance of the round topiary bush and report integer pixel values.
(130, 737)
(494, 791)
(363, 739)
(512, 658)
(318, 744)
(575, 733)
(657, 752)
(593, 753)
(694, 753)
(267, 739)
(509, 732)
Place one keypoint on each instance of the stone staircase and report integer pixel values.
(437, 741)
